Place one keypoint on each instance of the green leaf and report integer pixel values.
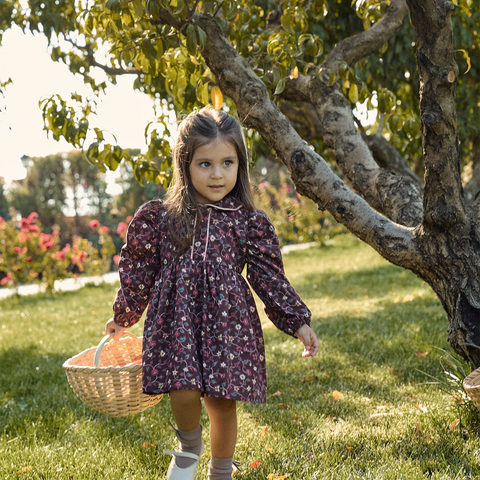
(191, 40)
(353, 93)
(280, 86)
(202, 37)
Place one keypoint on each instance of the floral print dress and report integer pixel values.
(202, 330)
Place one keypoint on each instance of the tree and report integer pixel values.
(293, 71)
(57, 183)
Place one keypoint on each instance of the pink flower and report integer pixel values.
(24, 223)
(94, 224)
(262, 185)
(6, 279)
(116, 259)
(129, 219)
(104, 229)
(122, 226)
(32, 217)
(29, 259)
(2, 219)
(61, 255)
(20, 250)
(55, 233)
(33, 229)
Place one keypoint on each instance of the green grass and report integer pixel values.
(371, 318)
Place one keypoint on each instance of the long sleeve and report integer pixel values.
(266, 275)
(138, 265)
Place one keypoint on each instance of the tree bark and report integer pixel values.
(449, 238)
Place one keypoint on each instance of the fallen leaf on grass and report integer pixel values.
(454, 425)
(148, 445)
(422, 407)
(272, 476)
(25, 470)
(408, 298)
(269, 450)
(276, 394)
(310, 379)
(283, 406)
(338, 395)
(336, 432)
(264, 431)
(350, 449)
(421, 355)
(255, 464)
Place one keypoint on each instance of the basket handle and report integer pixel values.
(98, 351)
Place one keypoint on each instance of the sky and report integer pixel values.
(24, 58)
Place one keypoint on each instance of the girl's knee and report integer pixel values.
(220, 405)
(185, 396)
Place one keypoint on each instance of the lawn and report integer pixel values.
(361, 408)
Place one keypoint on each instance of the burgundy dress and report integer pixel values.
(202, 330)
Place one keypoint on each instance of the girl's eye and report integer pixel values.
(205, 164)
(228, 163)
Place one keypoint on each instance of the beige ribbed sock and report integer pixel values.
(191, 442)
(220, 468)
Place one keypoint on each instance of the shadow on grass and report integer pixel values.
(349, 284)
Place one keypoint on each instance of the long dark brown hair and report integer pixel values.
(196, 130)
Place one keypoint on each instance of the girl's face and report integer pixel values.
(213, 170)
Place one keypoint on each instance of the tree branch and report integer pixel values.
(354, 48)
(443, 196)
(387, 157)
(311, 174)
(398, 197)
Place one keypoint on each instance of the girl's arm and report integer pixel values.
(265, 274)
(138, 266)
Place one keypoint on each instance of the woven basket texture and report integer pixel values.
(115, 386)
(471, 383)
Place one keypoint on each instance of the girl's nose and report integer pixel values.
(217, 172)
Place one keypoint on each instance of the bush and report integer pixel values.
(27, 254)
(296, 219)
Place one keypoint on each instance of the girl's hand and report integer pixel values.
(307, 336)
(117, 330)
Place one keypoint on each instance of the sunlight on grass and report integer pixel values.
(360, 409)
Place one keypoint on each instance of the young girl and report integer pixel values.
(184, 258)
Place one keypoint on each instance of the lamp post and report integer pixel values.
(25, 159)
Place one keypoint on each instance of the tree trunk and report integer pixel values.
(429, 230)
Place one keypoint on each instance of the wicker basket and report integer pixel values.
(109, 378)
(471, 384)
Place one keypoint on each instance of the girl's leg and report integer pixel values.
(223, 436)
(186, 409)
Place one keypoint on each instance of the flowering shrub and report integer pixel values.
(296, 219)
(28, 255)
